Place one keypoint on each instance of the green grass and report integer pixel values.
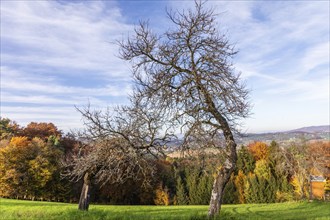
(18, 209)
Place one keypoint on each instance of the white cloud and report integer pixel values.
(315, 56)
(47, 47)
(17, 81)
(75, 36)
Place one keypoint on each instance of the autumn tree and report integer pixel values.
(27, 167)
(117, 146)
(280, 163)
(41, 130)
(187, 73)
(318, 156)
(297, 163)
(8, 128)
(259, 150)
(240, 182)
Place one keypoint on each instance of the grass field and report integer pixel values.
(18, 209)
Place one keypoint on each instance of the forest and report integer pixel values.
(35, 159)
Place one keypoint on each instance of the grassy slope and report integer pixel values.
(17, 209)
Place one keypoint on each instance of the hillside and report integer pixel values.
(313, 129)
(306, 133)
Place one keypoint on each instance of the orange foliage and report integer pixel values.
(41, 130)
(162, 196)
(19, 141)
(319, 157)
(259, 150)
(240, 182)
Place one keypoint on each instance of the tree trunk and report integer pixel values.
(219, 184)
(222, 179)
(85, 194)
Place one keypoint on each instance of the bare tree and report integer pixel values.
(118, 145)
(186, 73)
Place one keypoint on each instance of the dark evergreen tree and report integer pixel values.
(230, 194)
(245, 161)
(181, 194)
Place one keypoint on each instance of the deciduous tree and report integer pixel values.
(259, 150)
(42, 130)
(187, 74)
(117, 146)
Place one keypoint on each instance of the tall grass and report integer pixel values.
(18, 209)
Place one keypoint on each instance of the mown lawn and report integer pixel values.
(18, 209)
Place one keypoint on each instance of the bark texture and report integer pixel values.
(85, 194)
(220, 182)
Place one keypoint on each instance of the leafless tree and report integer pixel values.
(187, 74)
(118, 145)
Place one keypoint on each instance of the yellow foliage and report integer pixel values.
(296, 185)
(299, 184)
(262, 169)
(283, 196)
(240, 185)
(327, 186)
(162, 196)
(19, 142)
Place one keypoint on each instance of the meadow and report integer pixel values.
(20, 209)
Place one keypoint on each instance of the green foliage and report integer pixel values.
(193, 181)
(199, 185)
(230, 193)
(262, 169)
(284, 196)
(8, 128)
(181, 194)
(245, 161)
(259, 190)
(30, 168)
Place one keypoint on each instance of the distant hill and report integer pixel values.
(306, 133)
(313, 129)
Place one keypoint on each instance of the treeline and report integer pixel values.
(33, 166)
(31, 162)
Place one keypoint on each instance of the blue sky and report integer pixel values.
(58, 54)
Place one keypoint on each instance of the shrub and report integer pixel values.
(162, 196)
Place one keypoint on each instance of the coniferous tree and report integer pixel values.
(245, 161)
(181, 194)
(231, 193)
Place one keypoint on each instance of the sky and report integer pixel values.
(56, 55)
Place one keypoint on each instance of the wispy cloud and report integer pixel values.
(47, 47)
(56, 54)
(17, 81)
(76, 36)
(284, 56)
